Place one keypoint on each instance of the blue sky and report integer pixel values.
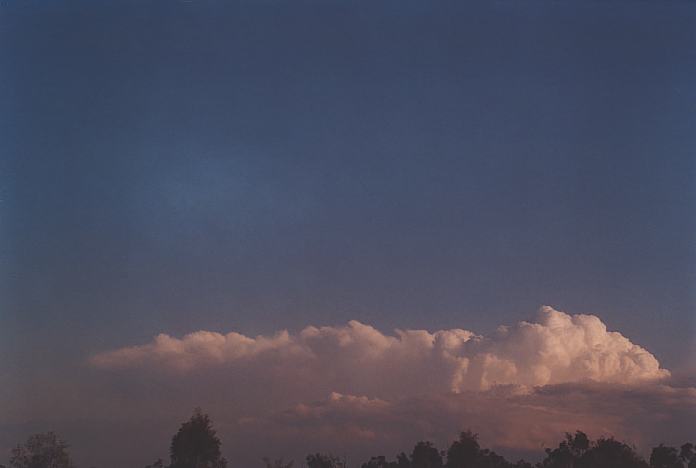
(195, 165)
(254, 166)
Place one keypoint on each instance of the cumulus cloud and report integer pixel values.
(554, 348)
(355, 390)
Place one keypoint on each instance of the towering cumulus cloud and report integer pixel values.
(554, 348)
(353, 389)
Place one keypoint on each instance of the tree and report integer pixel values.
(467, 453)
(159, 463)
(402, 461)
(568, 452)
(610, 453)
(320, 460)
(464, 452)
(44, 450)
(663, 456)
(378, 462)
(522, 464)
(578, 451)
(687, 452)
(195, 445)
(279, 463)
(425, 455)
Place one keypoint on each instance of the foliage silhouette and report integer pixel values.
(319, 460)
(610, 453)
(688, 455)
(378, 462)
(279, 463)
(425, 455)
(568, 453)
(195, 445)
(45, 450)
(464, 452)
(687, 452)
(666, 457)
(159, 463)
(578, 451)
(574, 451)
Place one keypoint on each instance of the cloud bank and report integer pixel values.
(554, 348)
(353, 389)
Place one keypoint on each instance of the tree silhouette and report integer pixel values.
(665, 457)
(195, 445)
(378, 462)
(568, 453)
(279, 463)
(574, 451)
(464, 452)
(577, 451)
(319, 460)
(159, 463)
(44, 450)
(610, 453)
(402, 461)
(425, 455)
(687, 453)
(522, 464)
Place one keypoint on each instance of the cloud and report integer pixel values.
(356, 358)
(355, 390)
(511, 419)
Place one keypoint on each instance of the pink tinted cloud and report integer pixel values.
(553, 348)
(353, 389)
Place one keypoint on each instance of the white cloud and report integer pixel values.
(356, 358)
(357, 391)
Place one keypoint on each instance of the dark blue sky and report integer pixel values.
(173, 166)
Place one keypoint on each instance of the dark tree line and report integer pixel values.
(575, 451)
(196, 445)
(465, 452)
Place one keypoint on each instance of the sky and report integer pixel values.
(270, 167)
